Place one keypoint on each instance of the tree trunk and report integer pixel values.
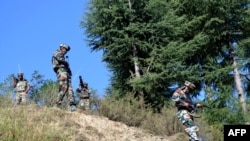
(136, 64)
(237, 79)
(135, 57)
(238, 85)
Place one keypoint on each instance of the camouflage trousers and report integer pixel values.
(65, 88)
(188, 122)
(21, 98)
(84, 104)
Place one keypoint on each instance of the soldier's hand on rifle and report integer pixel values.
(186, 104)
(199, 105)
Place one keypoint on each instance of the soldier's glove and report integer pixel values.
(198, 105)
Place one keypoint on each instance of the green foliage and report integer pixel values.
(36, 82)
(164, 123)
(48, 93)
(122, 110)
(95, 101)
(131, 35)
(131, 112)
(170, 42)
(6, 86)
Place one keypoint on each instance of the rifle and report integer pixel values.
(193, 109)
(205, 106)
(67, 65)
(81, 82)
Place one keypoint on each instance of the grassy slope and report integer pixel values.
(33, 123)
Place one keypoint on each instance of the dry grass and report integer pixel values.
(25, 123)
(121, 120)
(34, 123)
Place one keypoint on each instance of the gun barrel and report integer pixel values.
(206, 106)
(81, 82)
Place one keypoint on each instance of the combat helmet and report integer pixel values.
(20, 74)
(67, 47)
(190, 85)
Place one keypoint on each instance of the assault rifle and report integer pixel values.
(81, 82)
(67, 65)
(193, 109)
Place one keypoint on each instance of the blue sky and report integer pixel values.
(30, 31)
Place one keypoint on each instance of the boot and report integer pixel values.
(73, 108)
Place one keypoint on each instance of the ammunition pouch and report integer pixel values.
(84, 95)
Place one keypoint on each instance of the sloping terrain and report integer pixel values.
(97, 128)
(35, 123)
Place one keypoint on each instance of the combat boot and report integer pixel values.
(73, 108)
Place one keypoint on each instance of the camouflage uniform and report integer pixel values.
(22, 87)
(84, 96)
(180, 97)
(61, 68)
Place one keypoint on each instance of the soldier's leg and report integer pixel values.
(81, 103)
(70, 97)
(63, 86)
(87, 104)
(188, 124)
(23, 96)
(17, 99)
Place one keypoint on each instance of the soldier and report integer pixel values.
(84, 94)
(22, 88)
(63, 72)
(185, 106)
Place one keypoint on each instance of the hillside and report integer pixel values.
(41, 123)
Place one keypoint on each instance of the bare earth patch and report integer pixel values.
(97, 128)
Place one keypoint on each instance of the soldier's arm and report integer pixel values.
(178, 100)
(14, 81)
(60, 58)
(176, 96)
(28, 87)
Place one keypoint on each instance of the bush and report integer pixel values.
(133, 113)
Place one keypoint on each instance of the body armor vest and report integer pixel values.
(21, 85)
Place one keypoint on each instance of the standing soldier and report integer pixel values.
(63, 72)
(185, 106)
(84, 93)
(22, 88)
